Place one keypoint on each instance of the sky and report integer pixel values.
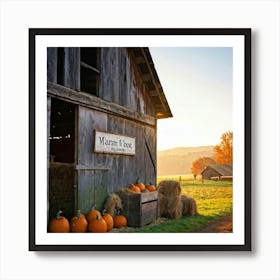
(197, 83)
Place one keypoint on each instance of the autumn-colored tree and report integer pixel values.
(200, 164)
(223, 151)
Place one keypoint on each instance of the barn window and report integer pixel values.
(90, 70)
(62, 131)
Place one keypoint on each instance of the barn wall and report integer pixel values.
(94, 176)
(61, 194)
(71, 69)
(121, 83)
(52, 65)
(101, 174)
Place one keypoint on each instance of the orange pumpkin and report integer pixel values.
(97, 225)
(140, 185)
(78, 223)
(92, 214)
(120, 220)
(134, 188)
(108, 219)
(59, 224)
(151, 187)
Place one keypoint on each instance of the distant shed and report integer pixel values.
(103, 106)
(217, 171)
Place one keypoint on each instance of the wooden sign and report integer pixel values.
(109, 143)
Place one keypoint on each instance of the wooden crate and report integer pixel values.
(140, 208)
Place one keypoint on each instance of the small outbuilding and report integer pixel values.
(217, 172)
(103, 107)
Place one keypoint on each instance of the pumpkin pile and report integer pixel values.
(94, 221)
(140, 187)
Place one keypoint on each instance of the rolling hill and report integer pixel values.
(179, 160)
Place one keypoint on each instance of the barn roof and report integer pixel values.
(145, 64)
(222, 169)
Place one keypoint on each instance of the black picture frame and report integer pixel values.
(33, 165)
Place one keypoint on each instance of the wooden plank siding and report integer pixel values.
(121, 106)
(101, 174)
(93, 102)
(52, 64)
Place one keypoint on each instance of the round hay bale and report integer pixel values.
(169, 188)
(112, 203)
(170, 207)
(194, 210)
(189, 206)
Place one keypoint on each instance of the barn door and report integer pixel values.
(92, 168)
(62, 147)
(150, 155)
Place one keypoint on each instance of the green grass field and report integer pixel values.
(213, 198)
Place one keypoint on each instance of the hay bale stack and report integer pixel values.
(189, 206)
(169, 188)
(170, 203)
(170, 207)
(112, 203)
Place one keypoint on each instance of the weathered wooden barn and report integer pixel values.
(103, 107)
(217, 171)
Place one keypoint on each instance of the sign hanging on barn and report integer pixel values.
(109, 143)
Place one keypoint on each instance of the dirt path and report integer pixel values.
(223, 224)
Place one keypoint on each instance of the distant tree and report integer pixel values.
(223, 151)
(200, 164)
